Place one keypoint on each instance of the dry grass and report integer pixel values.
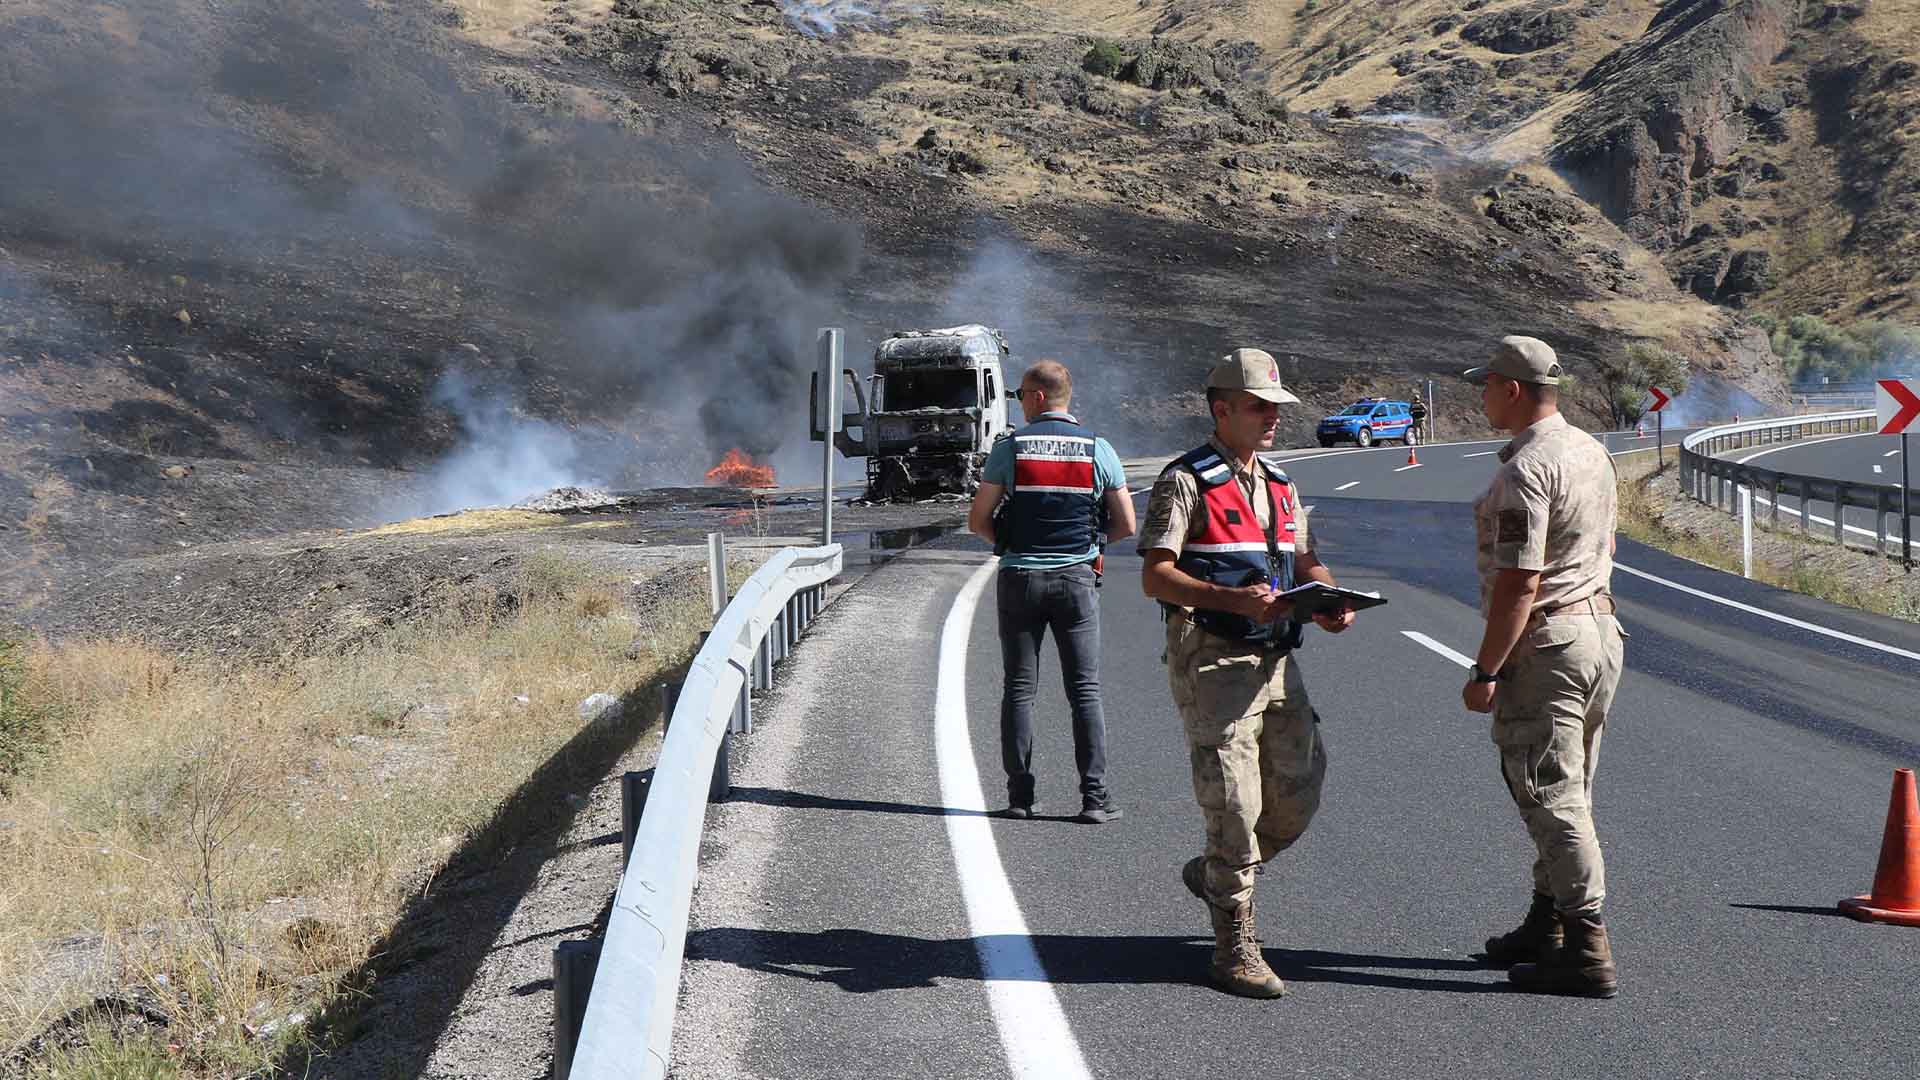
(520, 26)
(1653, 512)
(224, 845)
(470, 521)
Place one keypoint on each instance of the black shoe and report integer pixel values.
(1018, 812)
(1098, 812)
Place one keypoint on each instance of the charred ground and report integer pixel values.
(247, 248)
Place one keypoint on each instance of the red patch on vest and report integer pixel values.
(1050, 473)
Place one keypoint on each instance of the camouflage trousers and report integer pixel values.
(1254, 746)
(1548, 715)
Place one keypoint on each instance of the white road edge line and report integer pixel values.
(1483, 453)
(1033, 1029)
(1420, 638)
(1763, 613)
(1346, 485)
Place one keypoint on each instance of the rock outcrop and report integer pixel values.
(1668, 109)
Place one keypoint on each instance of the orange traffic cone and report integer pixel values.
(1639, 429)
(1411, 459)
(1896, 884)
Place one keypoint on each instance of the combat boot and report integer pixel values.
(1238, 967)
(1582, 967)
(1536, 938)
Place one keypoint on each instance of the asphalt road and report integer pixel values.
(1859, 459)
(859, 916)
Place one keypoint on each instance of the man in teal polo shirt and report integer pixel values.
(1062, 486)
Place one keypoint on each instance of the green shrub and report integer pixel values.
(1813, 349)
(1104, 59)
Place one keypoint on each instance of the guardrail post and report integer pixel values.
(1746, 531)
(633, 802)
(717, 572)
(574, 963)
(1839, 513)
(1880, 521)
(763, 662)
(742, 719)
(670, 696)
(1773, 491)
(1806, 488)
(722, 783)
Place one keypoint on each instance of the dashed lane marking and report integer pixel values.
(1346, 485)
(1483, 453)
(1459, 658)
(1415, 465)
(1033, 1030)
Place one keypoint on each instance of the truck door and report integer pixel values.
(990, 408)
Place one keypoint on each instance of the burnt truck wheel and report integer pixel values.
(1364, 437)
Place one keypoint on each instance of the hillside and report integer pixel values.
(266, 268)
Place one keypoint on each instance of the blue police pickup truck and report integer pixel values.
(1369, 421)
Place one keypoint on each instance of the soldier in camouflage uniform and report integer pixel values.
(1549, 661)
(1225, 532)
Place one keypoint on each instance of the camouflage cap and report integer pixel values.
(1522, 359)
(1252, 370)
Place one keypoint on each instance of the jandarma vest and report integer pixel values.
(1232, 549)
(1053, 507)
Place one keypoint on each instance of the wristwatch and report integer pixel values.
(1476, 675)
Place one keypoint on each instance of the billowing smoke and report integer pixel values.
(302, 164)
(825, 18)
(1709, 400)
(503, 454)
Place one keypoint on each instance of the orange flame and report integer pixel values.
(738, 470)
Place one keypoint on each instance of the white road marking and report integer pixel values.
(1458, 658)
(1763, 613)
(1791, 445)
(1415, 465)
(1346, 485)
(1033, 1030)
(1890, 453)
(1483, 453)
(1876, 468)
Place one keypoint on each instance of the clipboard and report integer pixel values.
(1315, 597)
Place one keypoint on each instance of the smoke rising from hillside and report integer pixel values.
(503, 456)
(309, 155)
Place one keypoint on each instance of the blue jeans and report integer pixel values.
(1031, 602)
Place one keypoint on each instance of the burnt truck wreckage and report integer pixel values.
(930, 413)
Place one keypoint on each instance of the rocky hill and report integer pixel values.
(270, 266)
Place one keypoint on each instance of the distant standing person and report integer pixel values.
(1062, 486)
(1549, 661)
(1418, 410)
(1225, 532)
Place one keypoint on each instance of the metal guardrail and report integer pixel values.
(1716, 481)
(628, 1029)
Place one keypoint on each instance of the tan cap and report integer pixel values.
(1252, 370)
(1522, 359)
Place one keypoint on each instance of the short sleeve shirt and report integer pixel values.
(1108, 474)
(1173, 510)
(1550, 507)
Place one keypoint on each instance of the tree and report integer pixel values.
(1624, 378)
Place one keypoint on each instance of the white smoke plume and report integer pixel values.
(825, 18)
(504, 455)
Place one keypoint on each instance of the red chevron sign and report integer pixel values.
(1898, 405)
(1660, 399)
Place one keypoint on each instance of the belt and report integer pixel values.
(1598, 604)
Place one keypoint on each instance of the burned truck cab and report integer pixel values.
(937, 402)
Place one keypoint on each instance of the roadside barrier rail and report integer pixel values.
(1714, 480)
(628, 1028)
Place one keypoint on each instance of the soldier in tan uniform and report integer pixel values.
(1225, 532)
(1549, 660)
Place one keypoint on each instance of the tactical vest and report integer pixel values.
(1232, 549)
(1053, 506)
